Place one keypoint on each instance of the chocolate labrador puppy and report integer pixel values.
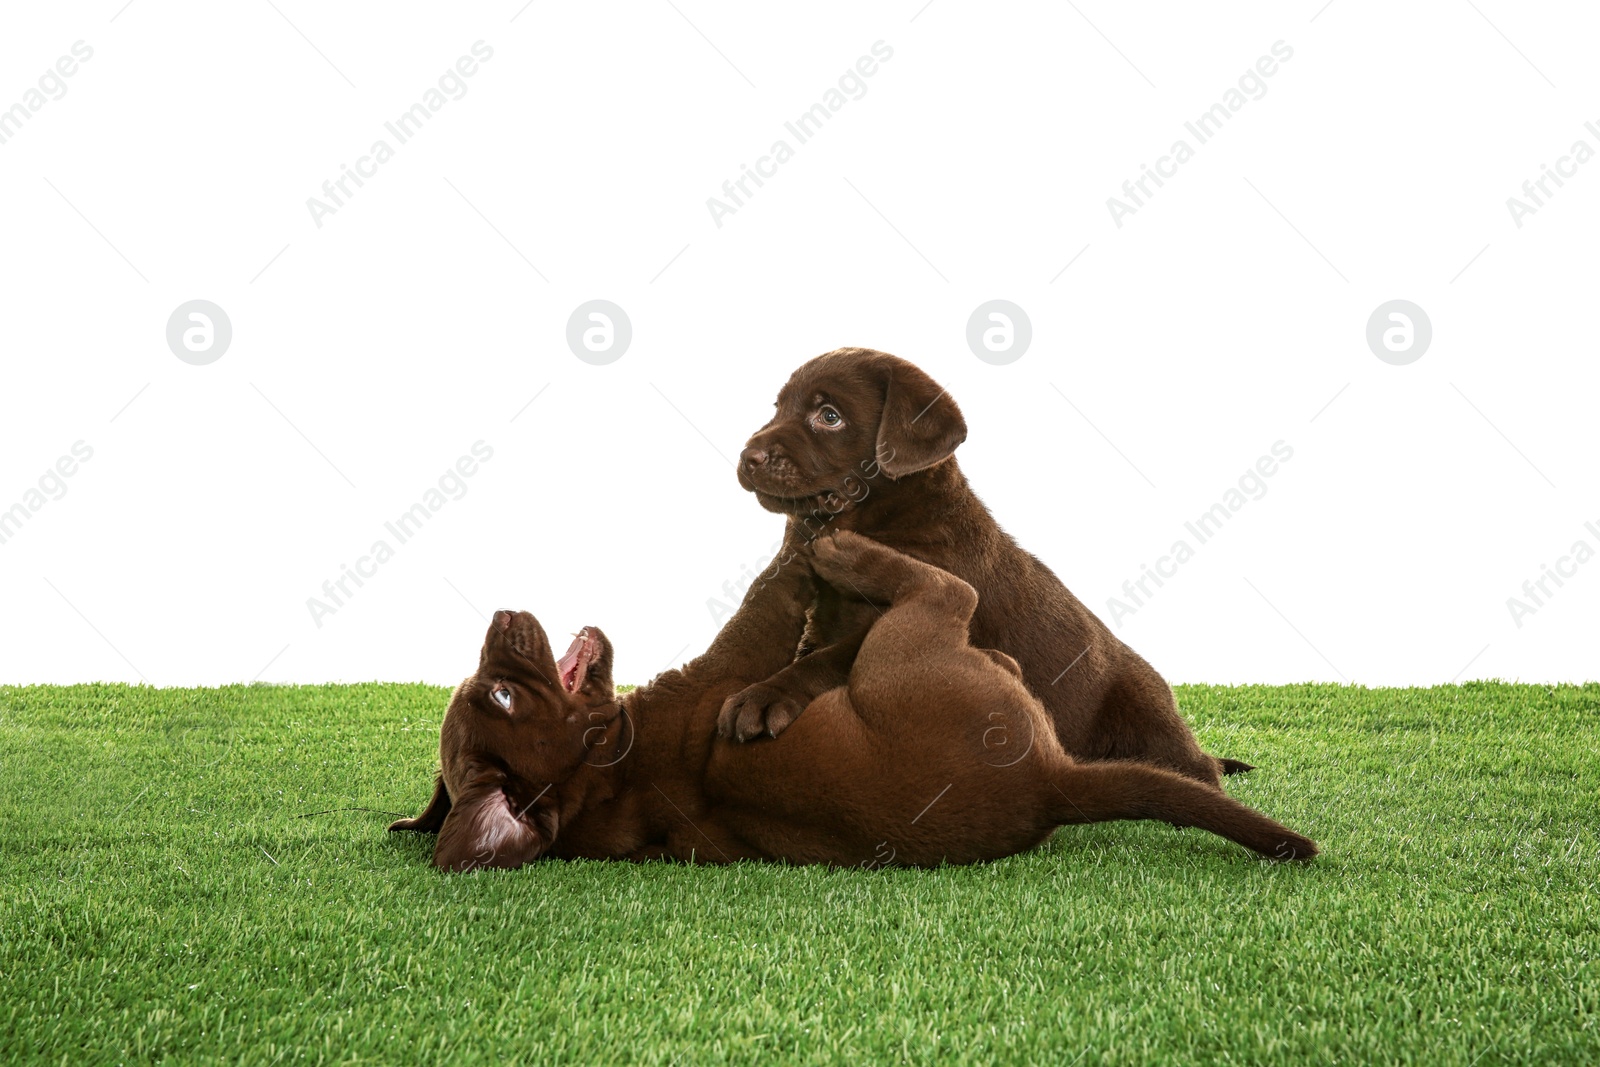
(935, 752)
(862, 440)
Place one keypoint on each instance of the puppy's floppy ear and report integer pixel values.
(496, 822)
(921, 425)
(432, 816)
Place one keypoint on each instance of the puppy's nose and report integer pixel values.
(753, 457)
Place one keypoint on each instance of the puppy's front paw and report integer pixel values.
(756, 710)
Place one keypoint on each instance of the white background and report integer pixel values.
(368, 354)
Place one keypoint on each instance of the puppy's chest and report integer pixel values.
(603, 830)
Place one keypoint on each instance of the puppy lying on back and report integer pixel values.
(864, 441)
(934, 752)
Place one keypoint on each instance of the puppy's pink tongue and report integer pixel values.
(572, 665)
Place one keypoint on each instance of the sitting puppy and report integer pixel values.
(864, 441)
(920, 760)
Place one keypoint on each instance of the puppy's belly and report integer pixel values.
(809, 770)
(830, 790)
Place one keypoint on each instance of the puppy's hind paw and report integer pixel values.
(847, 560)
(1293, 847)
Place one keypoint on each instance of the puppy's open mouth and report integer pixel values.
(574, 666)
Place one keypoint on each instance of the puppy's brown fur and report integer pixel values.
(864, 441)
(934, 753)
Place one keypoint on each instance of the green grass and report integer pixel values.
(163, 900)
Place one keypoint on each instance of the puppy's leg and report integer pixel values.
(1139, 720)
(768, 707)
(762, 635)
(1103, 792)
(919, 643)
(844, 612)
(879, 574)
(836, 629)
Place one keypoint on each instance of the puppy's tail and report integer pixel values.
(1103, 792)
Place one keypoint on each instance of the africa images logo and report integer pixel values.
(803, 128)
(1205, 126)
(403, 128)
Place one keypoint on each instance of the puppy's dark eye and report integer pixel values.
(829, 416)
(502, 696)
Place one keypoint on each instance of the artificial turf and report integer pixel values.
(166, 897)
